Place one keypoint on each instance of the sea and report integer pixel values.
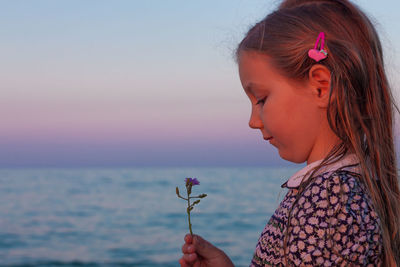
(131, 216)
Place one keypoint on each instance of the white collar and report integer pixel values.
(296, 179)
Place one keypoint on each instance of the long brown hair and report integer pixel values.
(362, 111)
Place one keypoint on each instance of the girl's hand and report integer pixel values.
(198, 252)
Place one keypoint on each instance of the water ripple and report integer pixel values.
(130, 217)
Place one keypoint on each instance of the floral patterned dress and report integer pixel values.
(333, 222)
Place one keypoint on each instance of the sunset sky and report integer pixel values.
(137, 83)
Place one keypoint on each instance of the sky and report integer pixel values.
(137, 83)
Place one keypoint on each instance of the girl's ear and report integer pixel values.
(320, 81)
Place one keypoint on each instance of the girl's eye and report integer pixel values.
(261, 101)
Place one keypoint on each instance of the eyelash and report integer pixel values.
(261, 100)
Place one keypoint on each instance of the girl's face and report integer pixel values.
(282, 109)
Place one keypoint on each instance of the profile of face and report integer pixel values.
(291, 114)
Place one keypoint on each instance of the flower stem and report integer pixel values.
(188, 211)
(182, 197)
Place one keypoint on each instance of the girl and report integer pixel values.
(314, 73)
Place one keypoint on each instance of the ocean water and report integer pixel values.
(131, 217)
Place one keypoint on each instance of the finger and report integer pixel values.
(188, 238)
(186, 248)
(183, 263)
(190, 258)
(203, 247)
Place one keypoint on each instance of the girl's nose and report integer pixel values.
(255, 121)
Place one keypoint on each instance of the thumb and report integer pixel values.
(205, 248)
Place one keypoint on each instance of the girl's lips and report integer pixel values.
(268, 138)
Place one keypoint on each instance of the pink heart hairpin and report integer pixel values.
(316, 54)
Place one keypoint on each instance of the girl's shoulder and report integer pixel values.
(340, 191)
(335, 206)
(338, 182)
